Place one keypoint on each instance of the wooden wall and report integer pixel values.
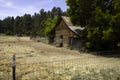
(62, 29)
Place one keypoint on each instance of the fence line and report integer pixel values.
(61, 70)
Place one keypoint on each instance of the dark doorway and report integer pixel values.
(61, 41)
(61, 36)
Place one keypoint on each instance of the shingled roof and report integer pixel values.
(76, 29)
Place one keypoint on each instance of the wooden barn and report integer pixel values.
(66, 34)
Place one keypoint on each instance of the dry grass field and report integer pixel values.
(39, 61)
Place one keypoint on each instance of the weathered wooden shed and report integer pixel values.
(66, 34)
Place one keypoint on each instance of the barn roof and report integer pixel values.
(76, 29)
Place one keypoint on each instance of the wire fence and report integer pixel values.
(93, 68)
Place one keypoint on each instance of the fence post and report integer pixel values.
(13, 68)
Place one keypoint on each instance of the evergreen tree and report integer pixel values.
(35, 25)
(18, 25)
(8, 25)
(27, 24)
(1, 27)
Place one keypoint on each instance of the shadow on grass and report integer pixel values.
(113, 53)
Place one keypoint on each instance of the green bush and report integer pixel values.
(9, 33)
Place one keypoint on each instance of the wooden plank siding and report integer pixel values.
(66, 34)
(62, 29)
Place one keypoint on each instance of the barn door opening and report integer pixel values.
(61, 40)
(70, 41)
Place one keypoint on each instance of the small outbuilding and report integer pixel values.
(66, 34)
